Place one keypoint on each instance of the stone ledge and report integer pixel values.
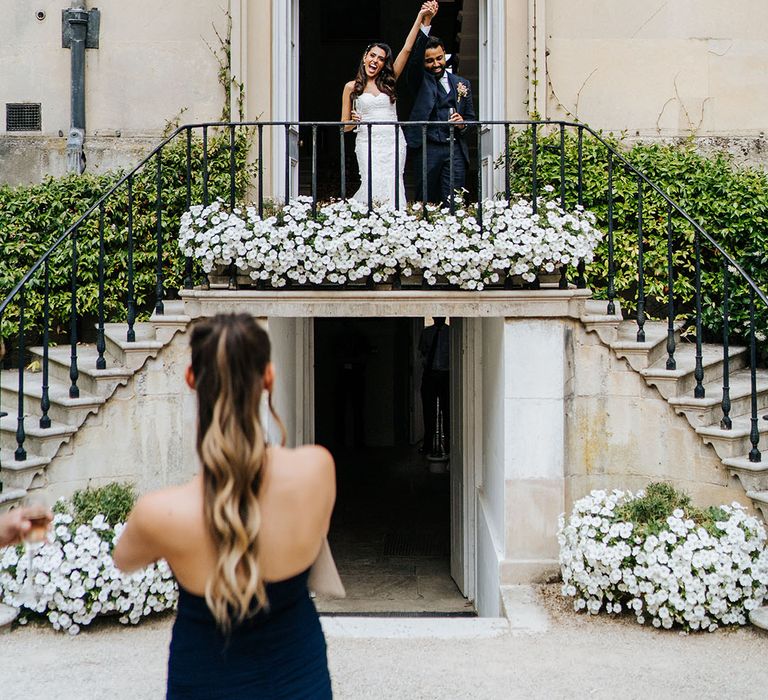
(327, 302)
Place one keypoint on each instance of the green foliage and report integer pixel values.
(33, 217)
(649, 513)
(113, 501)
(729, 202)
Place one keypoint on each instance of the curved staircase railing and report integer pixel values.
(305, 157)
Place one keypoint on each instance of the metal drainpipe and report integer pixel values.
(78, 22)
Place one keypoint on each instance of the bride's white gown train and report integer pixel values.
(384, 175)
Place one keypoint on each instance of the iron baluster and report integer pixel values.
(725, 422)
(671, 362)
(45, 401)
(205, 166)
(534, 167)
(21, 454)
(640, 266)
(754, 433)
(159, 307)
(611, 283)
(314, 170)
(397, 167)
(131, 335)
(698, 372)
(2, 413)
(507, 168)
(581, 282)
(562, 165)
(188, 263)
(232, 169)
(480, 180)
(261, 170)
(451, 175)
(424, 169)
(101, 362)
(370, 166)
(343, 162)
(287, 163)
(74, 391)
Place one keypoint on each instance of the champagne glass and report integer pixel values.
(34, 539)
(354, 109)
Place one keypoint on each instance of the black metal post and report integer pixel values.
(397, 169)
(698, 372)
(314, 170)
(74, 391)
(159, 292)
(287, 163)
(261, 170)
(671, 362)
(640, 266)
(451, 175)
(370, 167)
(424, 169)
(45, 401)
(480, 180)
(131, 335)
(725, 422)
(101, 362)
(232, 169)
(611, 283)
(535, 167)
(754, 433)
(507, 167)
(581, 282)
(205, 166)
(21, 454)
(562, 165)
(188, 263)
(343, 162)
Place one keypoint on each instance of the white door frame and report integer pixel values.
(493, 93)
(285, 90)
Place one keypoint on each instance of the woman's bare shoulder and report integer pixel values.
(171, 506)
(348, 87)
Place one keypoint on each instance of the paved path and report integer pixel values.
(576, 657)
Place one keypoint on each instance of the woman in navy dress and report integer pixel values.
(240, 536)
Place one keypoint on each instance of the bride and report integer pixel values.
(371, 97)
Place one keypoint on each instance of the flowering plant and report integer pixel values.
(345, 242)
(692, 568)
(73, 578)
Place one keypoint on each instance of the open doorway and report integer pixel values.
(391, 532)
(332, 39)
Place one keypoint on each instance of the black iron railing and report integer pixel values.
(223, 160)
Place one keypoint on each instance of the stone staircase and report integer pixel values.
(676, 387)
(67, 415)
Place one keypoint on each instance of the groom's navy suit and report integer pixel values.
(433, 103)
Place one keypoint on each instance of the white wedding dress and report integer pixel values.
(384, 176)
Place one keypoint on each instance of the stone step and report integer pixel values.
(9, 496)
(752, 475)
(21, 475)
(709, 411)
(99, 382)
(63, 409)
(41, 441)
(681, 381)
(171, 322)
(596, 319)
(131, 355)
(734, 442)
(649, 352)
(760, 499)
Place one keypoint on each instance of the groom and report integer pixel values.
(439, 96)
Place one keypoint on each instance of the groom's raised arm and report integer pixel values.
(414, 71)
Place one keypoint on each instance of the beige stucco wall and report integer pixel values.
(667, 67)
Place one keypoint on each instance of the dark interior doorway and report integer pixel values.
(390, 531)
(333, 37)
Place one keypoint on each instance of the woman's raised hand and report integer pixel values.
(428, 10)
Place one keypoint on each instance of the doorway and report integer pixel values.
(393, 528)
(332, 39)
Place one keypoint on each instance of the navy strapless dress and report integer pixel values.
(279, 653)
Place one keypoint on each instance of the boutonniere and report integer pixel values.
(461, 91)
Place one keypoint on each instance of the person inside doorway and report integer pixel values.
(434, 350)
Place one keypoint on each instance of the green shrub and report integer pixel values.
(729, 202)
(113, 501)
(33, 217)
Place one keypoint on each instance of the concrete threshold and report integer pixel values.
(414, 627)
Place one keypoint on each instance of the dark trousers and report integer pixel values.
(435, 385)
(439, 185)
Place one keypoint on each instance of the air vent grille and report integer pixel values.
(24, 116)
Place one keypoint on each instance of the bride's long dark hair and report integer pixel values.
(385, 80)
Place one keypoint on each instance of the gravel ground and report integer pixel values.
(579, 656)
